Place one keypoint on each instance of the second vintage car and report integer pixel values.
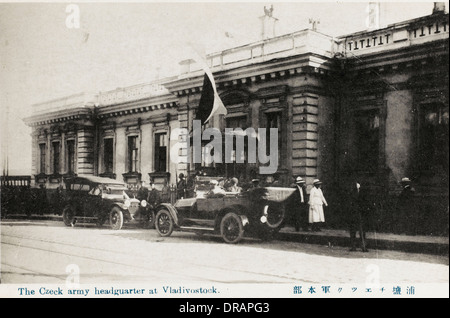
(259, 211)
(98, 199)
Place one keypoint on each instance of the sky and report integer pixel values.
(119, 44)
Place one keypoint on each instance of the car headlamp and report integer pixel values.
(263, 219)
(143, 203)
(127, 203)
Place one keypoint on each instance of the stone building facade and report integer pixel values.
(372, 104)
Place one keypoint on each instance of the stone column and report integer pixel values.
(304, 136)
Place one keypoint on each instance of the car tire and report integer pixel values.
(164, 223)
(116, 218)
(69, 216)
(275, 216)
(231, 228)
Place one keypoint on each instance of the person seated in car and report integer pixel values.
(233, 186)
(215, 191)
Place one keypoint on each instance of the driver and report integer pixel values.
(153, 198)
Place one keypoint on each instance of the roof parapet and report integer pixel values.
(300, 42)
(412, 32)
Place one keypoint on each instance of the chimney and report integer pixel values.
(185, 66)
(373, 16)
(439, 7)
(268, 23)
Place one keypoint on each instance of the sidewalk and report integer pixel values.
(375, 241)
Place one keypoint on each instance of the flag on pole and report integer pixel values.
(210, 102)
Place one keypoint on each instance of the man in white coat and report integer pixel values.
(316, 202)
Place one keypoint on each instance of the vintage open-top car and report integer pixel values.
(260, 211)
(98, 199)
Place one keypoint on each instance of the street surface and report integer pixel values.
(46, 251)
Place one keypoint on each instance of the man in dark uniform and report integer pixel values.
(154, 197)
(406, 208)
(357, 209)
(300, 207)
(181, 187)
(142, 192)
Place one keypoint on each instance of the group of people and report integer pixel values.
(186, 187)
(152, 195)
(309, 214)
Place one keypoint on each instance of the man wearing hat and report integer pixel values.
(181, 186)
(406, 207)
(255, 183)
(357, 213)
(316, 202)
(301, 205)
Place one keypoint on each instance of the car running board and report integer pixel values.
(196, 228)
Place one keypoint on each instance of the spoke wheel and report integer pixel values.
(231, 228)
(116, 218)
(164, 223)
(275, 216)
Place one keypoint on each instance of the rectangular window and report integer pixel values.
(433, 138)
(132, 154)
(237, 167)
(273, 121)
(70, 156)
(56, 156)
(160, 152)
(237, 122)
(108, 155)
(368, 140)
(42, 158)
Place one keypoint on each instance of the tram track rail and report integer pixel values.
(135, 262)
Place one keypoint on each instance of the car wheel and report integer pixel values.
(116, 218)
(231, 228)
(275, 216)
(164, 223)
(69, 216)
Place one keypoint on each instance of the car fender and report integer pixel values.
(240, 210)
(244, 220)
(172, 210)
(123, 208)
(120, 205)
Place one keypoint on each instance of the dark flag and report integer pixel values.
(205, 106)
